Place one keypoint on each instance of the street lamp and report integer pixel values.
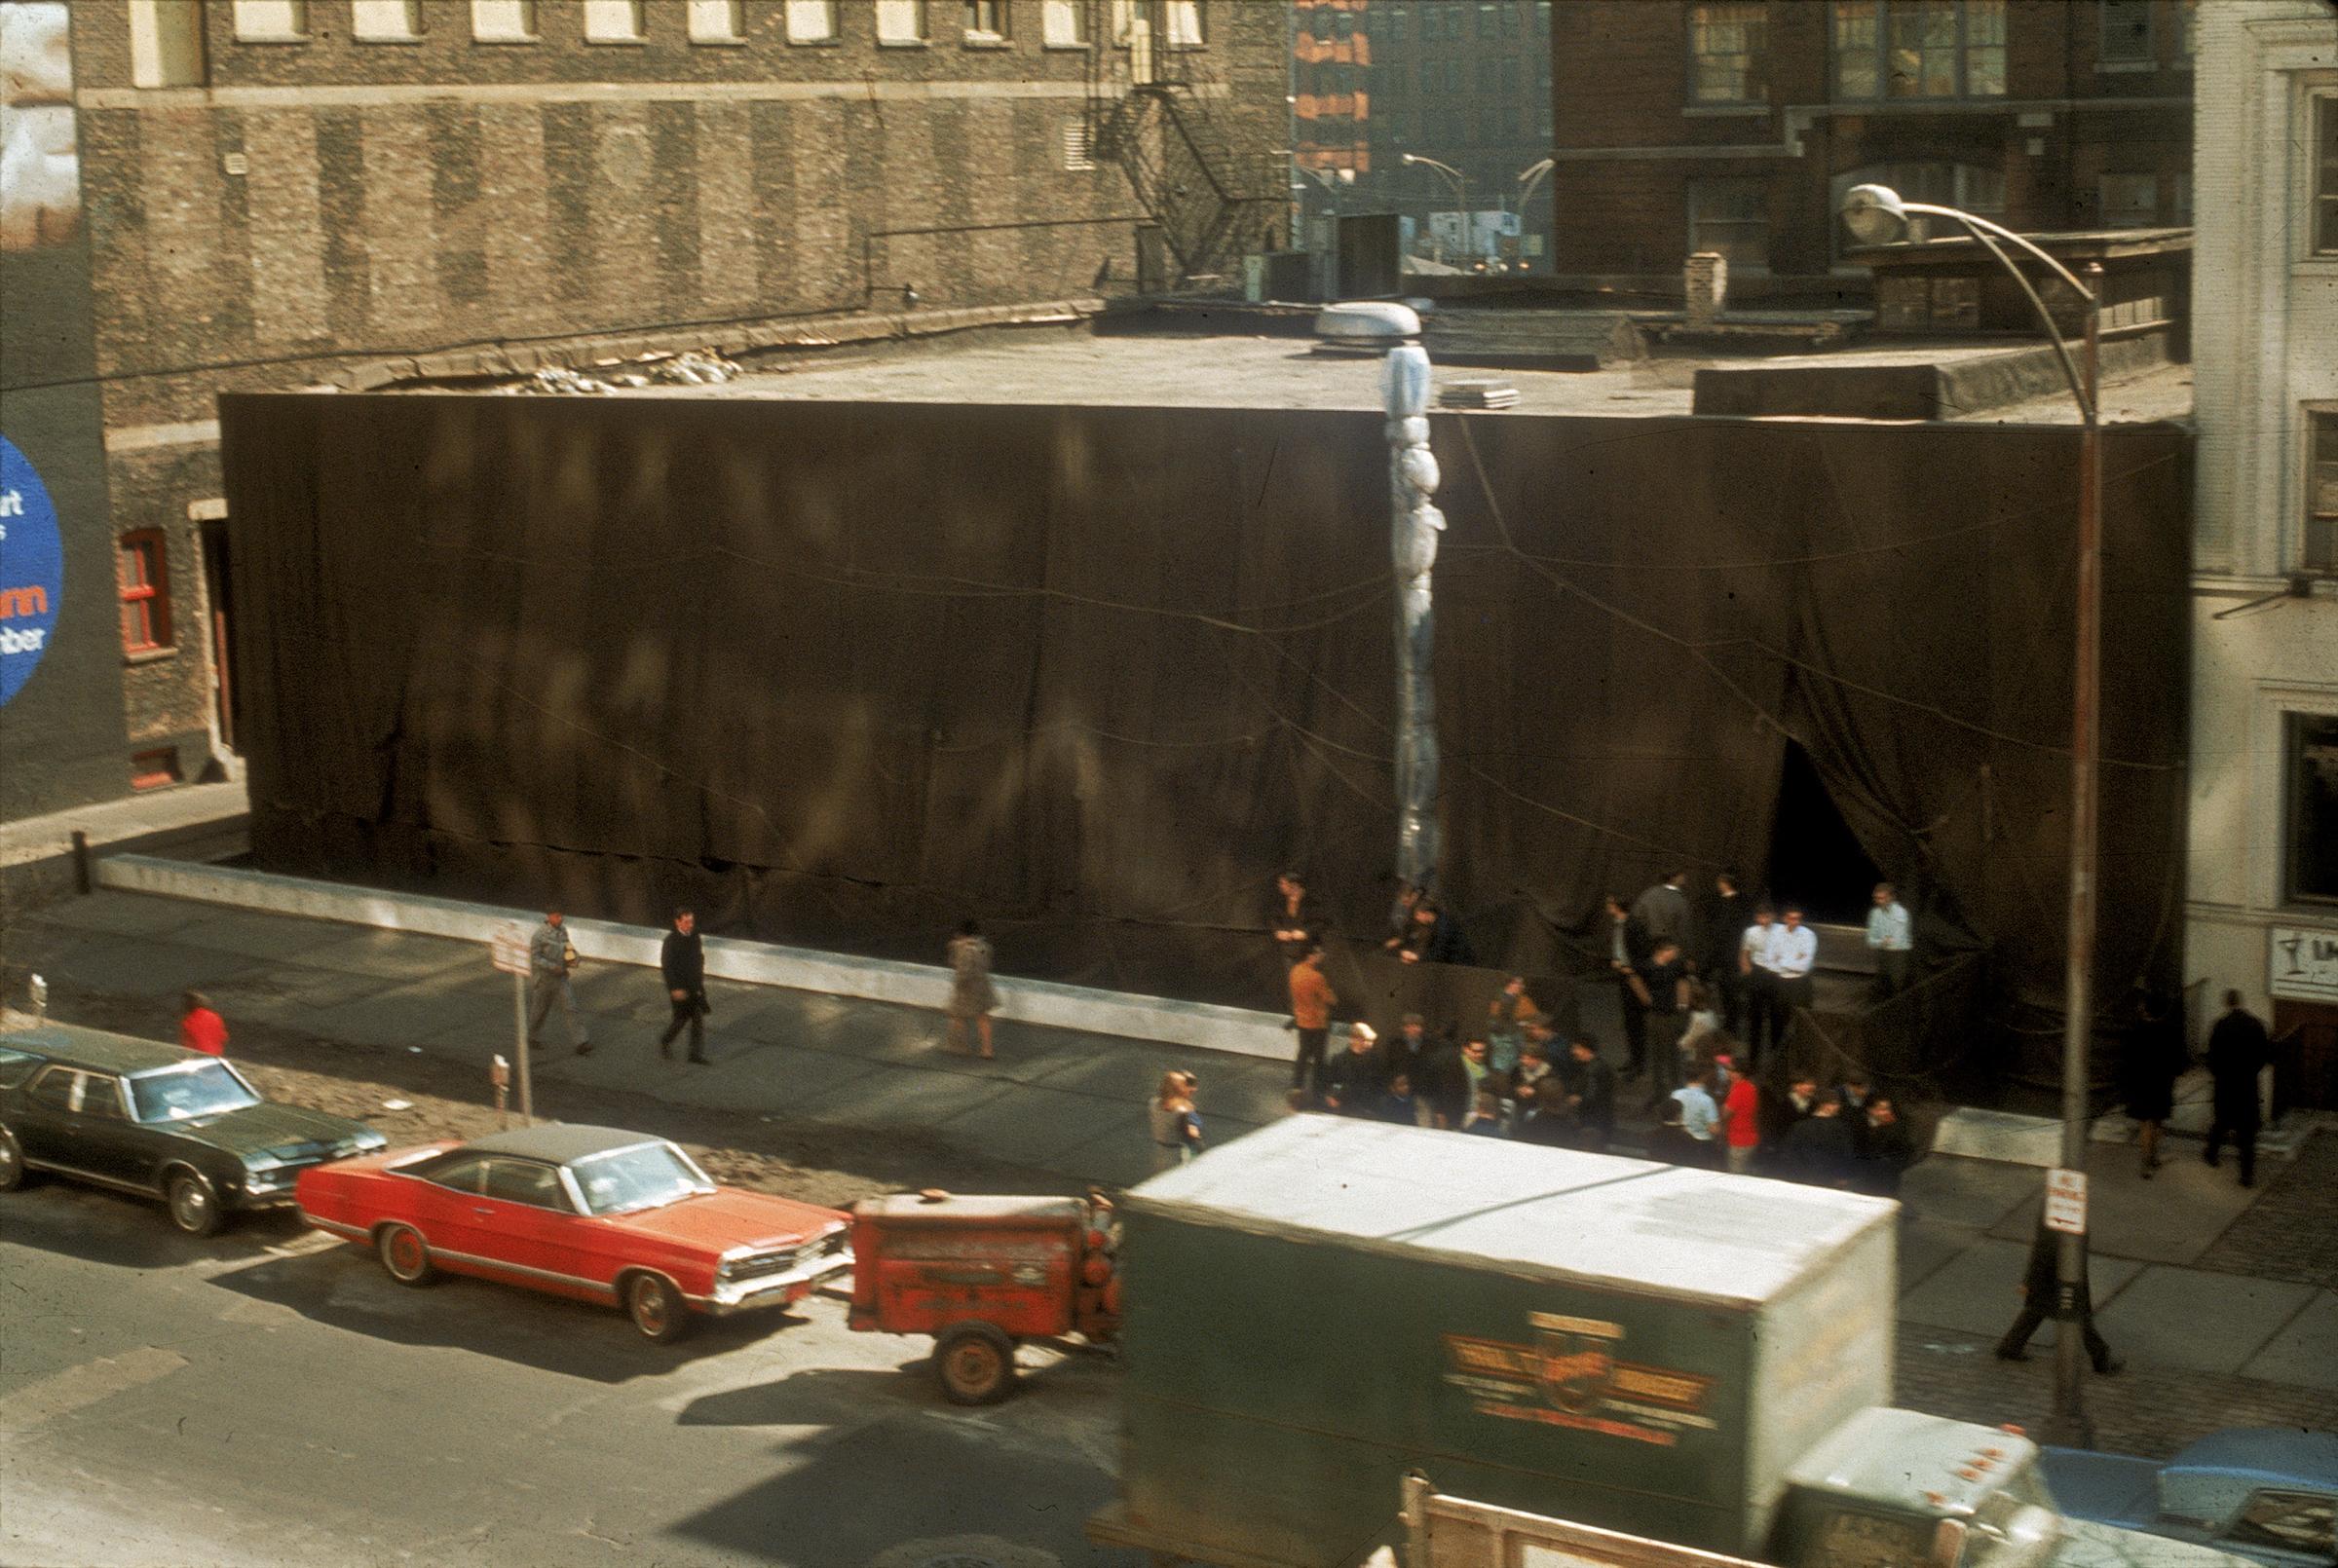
(1530, 180)
(1876, 214)
(1460, 198)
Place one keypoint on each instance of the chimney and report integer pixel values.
(1707, 277)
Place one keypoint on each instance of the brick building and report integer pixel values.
(272, 192)
(1735, 126)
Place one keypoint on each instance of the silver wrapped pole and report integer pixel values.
(1412, 478)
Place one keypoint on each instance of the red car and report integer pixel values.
(585, 1212)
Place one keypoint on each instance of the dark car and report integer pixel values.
(157, 1121)
(2264, 1492)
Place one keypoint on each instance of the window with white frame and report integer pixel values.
(613, 22)
(900, 21)
(385, 22)
(1730, 217)
(2322, 222)
(717, 21)
(2128, 201)
(810, 21)
(1184, 21)
(1728, 47)
(1063, 23)
(1918, 49)
(2320, 542)
(165, 44)
(985, 20)
(270, 20)
(503, 22)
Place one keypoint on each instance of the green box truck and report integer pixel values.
(1320, 1308)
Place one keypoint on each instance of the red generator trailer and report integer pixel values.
(982, 1275)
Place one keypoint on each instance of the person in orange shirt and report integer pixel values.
(1312, 1002)
(199, 1028)
(1740, 1114)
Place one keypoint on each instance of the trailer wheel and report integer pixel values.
(974, 1362)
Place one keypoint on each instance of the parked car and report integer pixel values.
(590, 1213)
(157, 1121)
(2263, 1492)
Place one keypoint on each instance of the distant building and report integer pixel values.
(1735, 126)
(1466, 83)
(269, 192)
(2262, 912)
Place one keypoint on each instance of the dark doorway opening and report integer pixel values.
(219, 633)
(1815, 860)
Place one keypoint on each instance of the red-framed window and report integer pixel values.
(145, 572)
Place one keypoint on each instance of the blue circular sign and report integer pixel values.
(32, 570)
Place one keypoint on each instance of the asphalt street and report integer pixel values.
(270, 1398)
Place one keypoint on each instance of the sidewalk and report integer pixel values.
(2224, 1303)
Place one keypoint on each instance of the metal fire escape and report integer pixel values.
(1149, 111)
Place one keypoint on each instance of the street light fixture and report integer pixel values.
(1460, 198)
(1878, 215)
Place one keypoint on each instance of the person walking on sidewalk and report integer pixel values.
(550, 961)
(971, 994)
(1312, 1002)
(2155, 1057)
(1891, 937)
(683, 959)
(1175, 1127)
(2041, 1280)
(2238, 1051)
(199, 1025)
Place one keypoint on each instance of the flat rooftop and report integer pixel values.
(1054, 365)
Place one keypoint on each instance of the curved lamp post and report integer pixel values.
(1460, 193)
(1878, 215)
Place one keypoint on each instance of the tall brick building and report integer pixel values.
(271, 192)
(1735, 125)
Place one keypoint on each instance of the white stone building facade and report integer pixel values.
(2262, 896)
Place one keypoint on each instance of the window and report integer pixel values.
(1730, 217)
(2324, 223)
(2320, 552)
(986, 21)
(613, 22)
(156, 770)
(1452, 75)
(2125, 33)
(1392, 27)
(1185, 24)
(145, 592)
(2180, 212)
(1919, 48)
(1079, 152)
(1728, 48)
(717, 21)
(2285, 1521)
(1063, 25)
(810, 21)
(528, 1181)
(2187, 29)
(503, 22)
(165, 44)
(58, 1089)
(101, 1096)
(467, 1174)
(2310, 763)
(385, 22)
(2128, 201)
(270, 20)
(1486, 76)
(900, 21)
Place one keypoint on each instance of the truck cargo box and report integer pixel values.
(1317, 1308)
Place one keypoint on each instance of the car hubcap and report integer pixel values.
(191, 1203)
(8, 1156)
(405, 1252)
(649, 1306)
(972, 1366)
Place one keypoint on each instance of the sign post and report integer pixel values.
(510, 949)
(2066, 1201)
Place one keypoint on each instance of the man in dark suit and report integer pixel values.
(683, 959)
(2238, 1051)
(1717, 937)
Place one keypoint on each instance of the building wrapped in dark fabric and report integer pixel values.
(847, 673)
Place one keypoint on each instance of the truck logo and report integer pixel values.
(1575, 1368)
(1571, 1376)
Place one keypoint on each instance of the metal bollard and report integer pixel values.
(82, 882)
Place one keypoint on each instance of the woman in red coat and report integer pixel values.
(199, 1028)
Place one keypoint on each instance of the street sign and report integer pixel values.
(2302, 963)
(2066, 1201)
(509, 947)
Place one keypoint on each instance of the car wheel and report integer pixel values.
(11, 1162)
(974, 1362)
(656, 1308)
(195, 1206)
(405, 1255)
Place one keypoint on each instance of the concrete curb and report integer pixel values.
(1236, 1030)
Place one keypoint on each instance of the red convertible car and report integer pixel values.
(585, 1212)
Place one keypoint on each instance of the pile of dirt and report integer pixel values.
(417, 1098)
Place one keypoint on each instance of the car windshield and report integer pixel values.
(181, 1094)
(647, 1175)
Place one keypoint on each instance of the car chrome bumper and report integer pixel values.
(773, 1290)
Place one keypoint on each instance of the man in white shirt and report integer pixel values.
(1892, 936)
(1700, 1117)
(1794, 949)
(1755, 980)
